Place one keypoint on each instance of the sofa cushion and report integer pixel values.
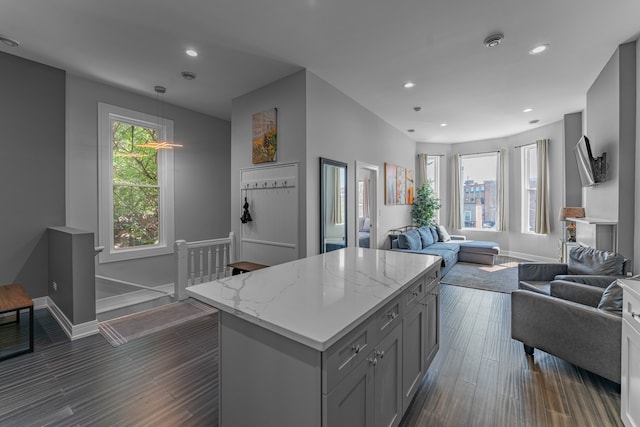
(434, 233)
(612, 299)
(443, 234)
(410, 240)
(426, 236)
(479, 246)
(586, 260)
(446, 246)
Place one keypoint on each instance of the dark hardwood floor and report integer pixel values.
(479, 377)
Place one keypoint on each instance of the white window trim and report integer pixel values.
(107, 113)
(524, 190)
(488, 153)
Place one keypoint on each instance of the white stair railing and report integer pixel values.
(202, 261)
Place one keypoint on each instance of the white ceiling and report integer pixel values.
(365, 48)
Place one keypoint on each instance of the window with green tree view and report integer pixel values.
(136, 185)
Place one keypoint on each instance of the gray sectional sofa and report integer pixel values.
(436, 241)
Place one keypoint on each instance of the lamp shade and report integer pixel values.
(570, 212)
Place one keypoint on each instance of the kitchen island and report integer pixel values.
(341, 338)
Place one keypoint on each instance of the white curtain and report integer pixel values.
(501, 224)
(455, 214)
(422, 170)
(337, 214)
(365, 198)
(542, 188)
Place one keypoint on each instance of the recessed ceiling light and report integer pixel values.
(191, 52)
(527, 110)
(494, 40)
(188, 75)
(9, 41)
(418, 108)
(409, 85)
(443, 124)
(538, 49)
(411, 130)
(533, 122)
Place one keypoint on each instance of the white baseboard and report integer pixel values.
(528, 257)
(74, 332)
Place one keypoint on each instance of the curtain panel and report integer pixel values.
(542, 225)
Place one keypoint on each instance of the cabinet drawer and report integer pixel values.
(387, 318)
(414, 294)
(432, 276)
(631, 310)
(342, 357)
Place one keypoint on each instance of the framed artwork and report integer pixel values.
(410, 187)
(265, 135)
(390, 184)
(400, 186)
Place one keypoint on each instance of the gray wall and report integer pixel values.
(32, 99)
(341, 129)
(572, 184)
(611, 128)
(288, 95)
(202, 170)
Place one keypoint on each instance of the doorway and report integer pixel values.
(366, 205)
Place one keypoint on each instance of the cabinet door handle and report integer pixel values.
(373, 361)
(356, 348)
(380, 354)
(392, 315)
(635, 315)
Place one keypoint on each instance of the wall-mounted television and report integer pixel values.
(592, 170)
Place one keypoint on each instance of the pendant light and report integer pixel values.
(159, 145)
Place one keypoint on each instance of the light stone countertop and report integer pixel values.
(316, 300)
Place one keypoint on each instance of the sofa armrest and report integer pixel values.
(540, 271)
(457, 237)
(586, 279)
(577, 292)
(582, 335)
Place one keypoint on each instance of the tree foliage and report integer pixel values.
(425, 205)
(135, 186)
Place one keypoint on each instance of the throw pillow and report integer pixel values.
(426, 236)
(587, 260)
(442, 233)
(410, 240)
(612, 298)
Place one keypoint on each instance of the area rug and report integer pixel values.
(125, 329)
(501, 277)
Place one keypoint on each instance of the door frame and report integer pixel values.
(373, 198)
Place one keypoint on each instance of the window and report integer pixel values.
(135, 185)
(433, 174)
(479, 173)
(529, 156)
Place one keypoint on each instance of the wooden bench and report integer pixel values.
(14, 298)
(245, 267)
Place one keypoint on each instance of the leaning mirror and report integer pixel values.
(333, 205)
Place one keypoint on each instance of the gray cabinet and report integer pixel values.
(387, 380)
(351, 403)
(630, 370)
(421, 334)
(371, 394)
(413, 353)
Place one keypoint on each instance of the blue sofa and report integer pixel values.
(432, 241)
